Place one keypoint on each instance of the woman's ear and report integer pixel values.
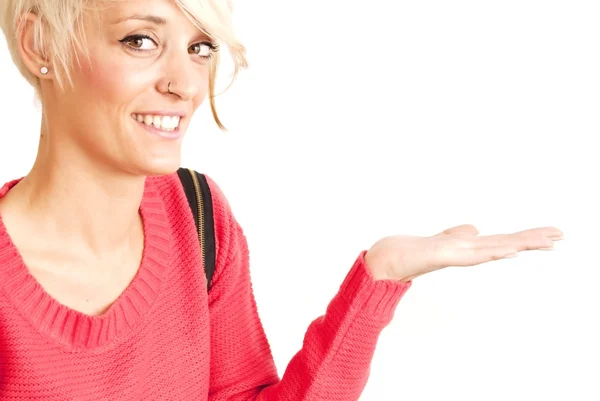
(32, 54)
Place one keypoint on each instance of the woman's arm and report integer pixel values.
(338, 347)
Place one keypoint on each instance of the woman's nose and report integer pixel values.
(182, 78)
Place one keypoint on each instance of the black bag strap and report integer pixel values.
(199, 199)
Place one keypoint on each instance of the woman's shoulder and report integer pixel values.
(228, 234)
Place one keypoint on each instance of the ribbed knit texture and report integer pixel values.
(165, 338)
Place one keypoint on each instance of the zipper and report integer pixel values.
(200, 205)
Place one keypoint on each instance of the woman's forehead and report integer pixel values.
(155, 12)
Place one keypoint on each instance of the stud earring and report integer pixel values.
(44, 70)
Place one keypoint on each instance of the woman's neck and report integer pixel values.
(72, 200)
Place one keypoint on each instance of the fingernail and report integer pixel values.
(512, 255)
(556, 237)
(549, 248)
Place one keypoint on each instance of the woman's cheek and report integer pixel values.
(113, 81)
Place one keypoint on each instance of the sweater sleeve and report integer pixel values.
(338, 347)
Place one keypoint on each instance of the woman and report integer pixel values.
(106, 301)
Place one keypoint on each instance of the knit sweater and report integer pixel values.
(166, 338)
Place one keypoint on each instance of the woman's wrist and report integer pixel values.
(378, 265)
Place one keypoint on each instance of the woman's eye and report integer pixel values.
(203, 49)
(139, 42)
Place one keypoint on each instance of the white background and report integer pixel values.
(358, 120)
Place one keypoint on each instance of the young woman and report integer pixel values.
(102, 296)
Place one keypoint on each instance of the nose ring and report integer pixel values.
(169, 88)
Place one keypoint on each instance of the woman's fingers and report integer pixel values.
(519, 243)
(537, 238)
(546, 231)
(501, 239)
(467, 250)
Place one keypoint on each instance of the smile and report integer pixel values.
(164, 123)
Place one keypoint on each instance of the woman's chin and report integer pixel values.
(159, 167)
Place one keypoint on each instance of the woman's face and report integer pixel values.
(119, 112)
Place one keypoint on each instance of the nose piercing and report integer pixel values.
(44, 70)
(169, 88)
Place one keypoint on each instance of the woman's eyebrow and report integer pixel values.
(143, 17)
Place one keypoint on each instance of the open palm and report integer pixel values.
(407, 257)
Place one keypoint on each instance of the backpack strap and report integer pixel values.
(199, 199)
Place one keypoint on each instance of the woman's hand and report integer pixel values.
(404, 258)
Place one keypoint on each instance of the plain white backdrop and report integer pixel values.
(358, 120)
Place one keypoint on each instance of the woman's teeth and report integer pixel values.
(165, 123)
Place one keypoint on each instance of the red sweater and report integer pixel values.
(165, 338)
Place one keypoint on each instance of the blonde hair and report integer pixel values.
(58, 30)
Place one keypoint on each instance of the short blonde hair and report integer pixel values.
(58, 29)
